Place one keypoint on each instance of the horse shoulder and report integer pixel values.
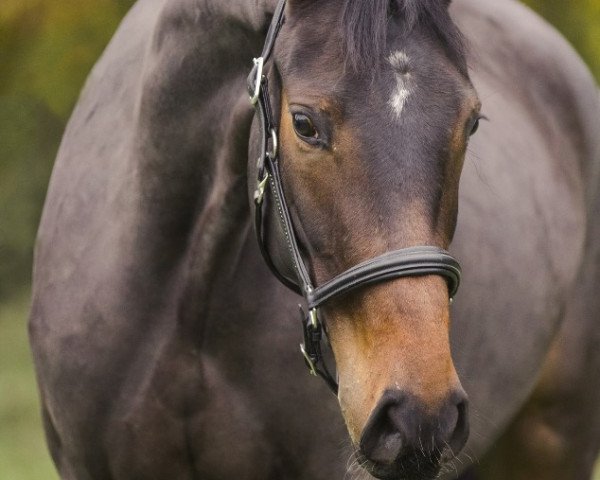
(522, 222)
(513, 44)
(138, 150)
(132, 192)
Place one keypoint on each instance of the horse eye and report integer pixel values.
(475, 127)
(304, 127)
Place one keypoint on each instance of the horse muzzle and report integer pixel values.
(403, 440)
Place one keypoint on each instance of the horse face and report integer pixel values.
(371, 153)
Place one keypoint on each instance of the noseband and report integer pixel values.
(270, 202)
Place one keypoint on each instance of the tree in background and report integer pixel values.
(47, 48)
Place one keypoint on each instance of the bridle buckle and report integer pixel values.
(274, 145)
(259, 193)
(314, 319)
(311, 348)
(258, 65)
(312, 340)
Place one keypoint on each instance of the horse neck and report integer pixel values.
(191, 141)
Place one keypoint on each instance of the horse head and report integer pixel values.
(372, 108)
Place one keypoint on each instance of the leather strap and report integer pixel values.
(269, 186)
(407, 262)
(284, 216)
(274, 27)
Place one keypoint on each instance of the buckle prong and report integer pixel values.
(309, 361)
(260, 189)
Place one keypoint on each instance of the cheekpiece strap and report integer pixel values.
(256, 74)
(274, 27)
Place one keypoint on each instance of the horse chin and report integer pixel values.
(408, 467)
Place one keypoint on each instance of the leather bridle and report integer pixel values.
(270, 203)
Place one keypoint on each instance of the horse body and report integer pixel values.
(166, 349)
(539, 149)
(540, 326)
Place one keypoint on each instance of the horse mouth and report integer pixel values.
(410, 466)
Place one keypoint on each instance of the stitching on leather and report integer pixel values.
(400, 265)
(283, 222)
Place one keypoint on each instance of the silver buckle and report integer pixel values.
(314, 319)
(258, 62)
(273, 153)
(260, 189)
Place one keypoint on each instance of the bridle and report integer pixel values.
(270, 204)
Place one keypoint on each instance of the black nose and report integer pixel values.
(402, 433)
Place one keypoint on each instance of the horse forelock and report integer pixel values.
(365, 26)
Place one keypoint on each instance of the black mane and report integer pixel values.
(365, 24)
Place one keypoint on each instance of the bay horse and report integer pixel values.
(164, 346)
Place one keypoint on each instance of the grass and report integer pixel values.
(23, 453)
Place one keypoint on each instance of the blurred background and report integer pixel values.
(47, 48)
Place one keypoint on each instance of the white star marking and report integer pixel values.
(400, 62)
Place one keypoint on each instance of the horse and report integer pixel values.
(165, 336)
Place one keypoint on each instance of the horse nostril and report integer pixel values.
(460, 433)
(400, 426)
(382, 437)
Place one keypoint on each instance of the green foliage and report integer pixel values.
(579, 22)
(46, 50)
(29, 136)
